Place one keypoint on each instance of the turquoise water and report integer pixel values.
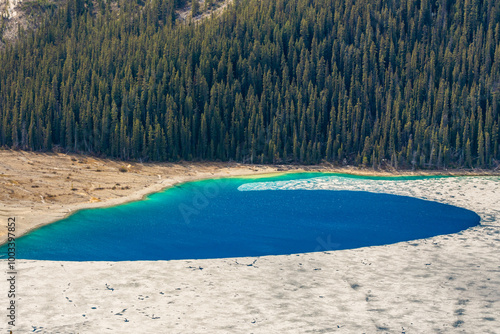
(214, 219)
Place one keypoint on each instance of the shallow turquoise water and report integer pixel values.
(213, 219)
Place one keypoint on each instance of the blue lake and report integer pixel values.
(214, 219)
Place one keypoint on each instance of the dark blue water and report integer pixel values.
(212, 219)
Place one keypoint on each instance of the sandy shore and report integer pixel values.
(448, 283)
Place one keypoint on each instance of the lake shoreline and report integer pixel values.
(42, 188)
(237, 217)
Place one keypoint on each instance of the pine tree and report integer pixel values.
(195, 8)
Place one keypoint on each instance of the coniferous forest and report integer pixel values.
(407, 83)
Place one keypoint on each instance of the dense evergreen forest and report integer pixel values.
(410, 83)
